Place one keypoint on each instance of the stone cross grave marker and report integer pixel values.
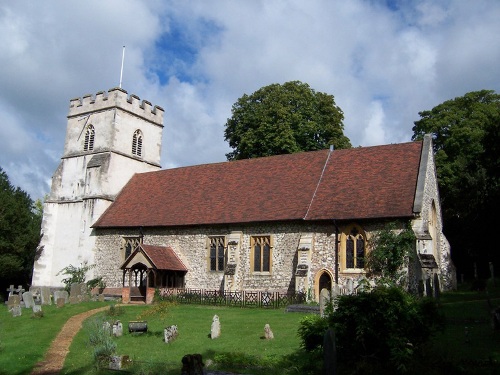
(324, 299)
(20, 290)
(14, 300)
(11, 290)
(215, 331)
(28, 299)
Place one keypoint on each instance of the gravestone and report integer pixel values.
(106, 327)
(115, 362)
(60, 302)
(428, 288)
(268, 333)
(20, 290)
(170, 333)
(61, 294)
(349, 286)
(45, 293)
(14, 300)
(75, 293)
(37, 308)
(329, 352)
(29, 302)
(35, 292)
(11, 290)
(192, 364)
(15, 310)
(324, 299)
(215, 331)
(437, 289)
(117, 329)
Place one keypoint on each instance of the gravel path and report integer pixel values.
(54, 358)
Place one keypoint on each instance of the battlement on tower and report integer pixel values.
(119, 98)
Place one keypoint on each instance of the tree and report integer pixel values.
(283, 119)
(466, 138)
(20, 222)
(390, 249)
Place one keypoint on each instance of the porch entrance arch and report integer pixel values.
(148, 268)
(322, 280)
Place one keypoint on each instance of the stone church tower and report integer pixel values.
(109, 137)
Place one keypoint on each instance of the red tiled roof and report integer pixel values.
(358, 183)
(162, 257)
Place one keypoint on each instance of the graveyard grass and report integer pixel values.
(241, 347)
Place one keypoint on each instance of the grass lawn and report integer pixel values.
(24, 339)
(241, 346)
(468, 345)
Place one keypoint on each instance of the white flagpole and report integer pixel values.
(121, 71)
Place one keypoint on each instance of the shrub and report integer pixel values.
(383, 328)
(99, 331)
(114, 310)
(312, 328)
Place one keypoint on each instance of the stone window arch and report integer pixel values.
(137, 143)
(353, 248)
(88, 144)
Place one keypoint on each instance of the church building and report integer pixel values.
(290, 223)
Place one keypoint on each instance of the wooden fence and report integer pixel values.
(226, 298)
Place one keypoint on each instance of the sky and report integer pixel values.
(383, 61)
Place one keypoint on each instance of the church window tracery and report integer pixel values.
(217, 253)
(261, 253)
(130, 244)
(354, 248)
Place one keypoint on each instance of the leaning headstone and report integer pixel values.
(215, 331)
(45, 293)
(192, 364)
(324, 299)
(170, 333)
(329, 352)
(14, 300)
(61, 294)
(29, 302)
(268, 333)
(117, 329)
(37, 308)
(16, 310)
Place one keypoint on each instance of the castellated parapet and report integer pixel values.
(119, 98)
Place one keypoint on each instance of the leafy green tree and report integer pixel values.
(466, 138)
(20, 222)
(284, 119)
(390, 248)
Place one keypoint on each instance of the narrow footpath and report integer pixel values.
(54, 359)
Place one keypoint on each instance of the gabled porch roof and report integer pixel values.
(154, 257)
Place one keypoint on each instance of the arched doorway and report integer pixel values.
(323, 280)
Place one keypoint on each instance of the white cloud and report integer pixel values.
(382, 65)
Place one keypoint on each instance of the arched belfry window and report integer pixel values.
(89, 138)
(137, 143)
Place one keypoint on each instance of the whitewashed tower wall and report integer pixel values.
(89, 178)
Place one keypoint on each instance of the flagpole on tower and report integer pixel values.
(121, 70)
